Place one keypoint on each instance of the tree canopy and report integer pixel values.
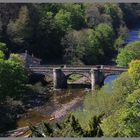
(40, 29)
(13, 77)
(128, 53)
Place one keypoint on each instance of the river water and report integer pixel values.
(59, 104)
(133, 35)
(63, 101)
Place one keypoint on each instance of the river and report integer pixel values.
(59, 104)
(56, 108)
(133, 35)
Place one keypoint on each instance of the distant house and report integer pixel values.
(30, 60)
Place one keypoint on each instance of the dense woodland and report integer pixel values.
(74, 34)
(67, 33)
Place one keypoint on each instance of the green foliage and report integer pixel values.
(0, 27)
(71, 16)
(106, 101)
(63, 19)
(34, 131)
(46, 128)
(70, 127)
(92, 50)
(125, 121)
(134, 69)
(108, 13)
(120, 106)
(16, 58)
(116, 14)
(2, 46)
(94, 125)
(128, 53)
(40, 28)
(106, 37)
(74, 46)
(118, 42)
(73, 78)
(18, 29)
(1, 55)
(13, 79)
(77, 15)
(89, 46)
(78, 34)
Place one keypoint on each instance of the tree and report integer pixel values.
(89, 46)
(116, 14)
(77, 15)
(13, 79)
(73, 44)
(2, 46)
(18, 30)
(2, 50)
(69, 127)
(46, 128)
(134, 69)
(105, 32)
(81, 47)
(92, 15)
(128, 53)
(125, 121)
(0, 28)
(47, 34)
(1, 55)
(95, 129)
(70, 16)
(63, 20)
(108, 13)
(106, 37)
(34, 131)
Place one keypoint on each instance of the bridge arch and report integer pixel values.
(107, 75)
(87, 75)
(35, 78)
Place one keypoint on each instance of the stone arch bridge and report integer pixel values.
(95, 73)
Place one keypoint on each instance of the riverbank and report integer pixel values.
(12, 110)
(58, 115)
(39, 104)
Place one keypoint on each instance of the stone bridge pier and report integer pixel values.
(97, 78)
(59, 79)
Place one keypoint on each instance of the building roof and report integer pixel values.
(25, 55)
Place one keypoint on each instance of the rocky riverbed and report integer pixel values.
(34, 108)
(58, 114)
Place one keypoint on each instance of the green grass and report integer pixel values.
(74, 78)
(96, 103)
